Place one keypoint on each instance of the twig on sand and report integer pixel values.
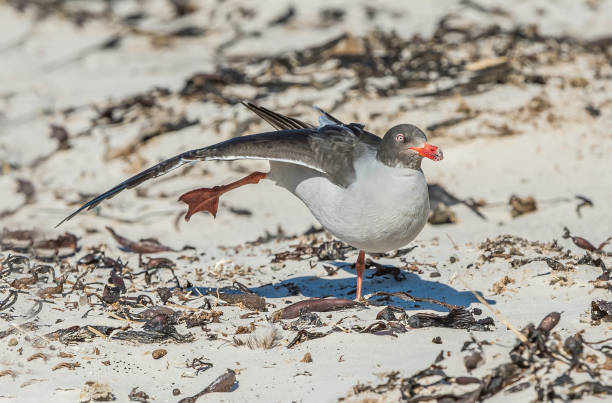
(495, 312)
(97, 332)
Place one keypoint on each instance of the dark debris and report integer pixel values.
(528, 366)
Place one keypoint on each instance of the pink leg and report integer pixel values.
(207, 199)
(360, 266)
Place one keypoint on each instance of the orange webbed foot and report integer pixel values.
(203, 199)
(207, 199)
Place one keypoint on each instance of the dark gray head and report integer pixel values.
(404, 146)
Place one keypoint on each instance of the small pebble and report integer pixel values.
(157, 354)
(12, 342)
(472, 360)
(437, 340)
(176, 392)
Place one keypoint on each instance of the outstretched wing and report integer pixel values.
(330, 150)
(275, 119)
(283, 122)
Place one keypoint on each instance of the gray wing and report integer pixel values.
(283, 122)
(275, 119)
(330, 150)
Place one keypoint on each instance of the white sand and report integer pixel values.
(549, 158)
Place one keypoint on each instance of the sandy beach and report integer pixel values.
(129, 302)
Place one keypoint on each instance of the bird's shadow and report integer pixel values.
(331, 286)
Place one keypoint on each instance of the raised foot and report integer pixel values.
(207, 199)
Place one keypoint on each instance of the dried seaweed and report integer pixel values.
(199, 364)
(601, 310)
(552, 263)
(456, 59)
(224, 383)
(100, 261)
(50, 291)
(313, 305)
(583, 243)
(584, 202)
(408, 297)
(209, 86)
(9, 301)
(63, 246)
(509, 246)
(78, 334)
(249, 301)
(457, 318)
(530, 361)
(381, 328)
(306, 320)
(382, 270)
(138, 396)
(328, 250)
(50, 249)
(17, 240)
(388, 313)
(143, 246)
(24, 282)
(521, 205)
(202, 318)
(67, 365)
(304, 335)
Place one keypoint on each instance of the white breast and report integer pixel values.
(384, 209)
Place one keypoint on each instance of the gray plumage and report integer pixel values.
(397, 153)
(276, 120)
(330, 149)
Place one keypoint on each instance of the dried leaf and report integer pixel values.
(224, 383)
(68, 365)
(141, 247)
(313, 305)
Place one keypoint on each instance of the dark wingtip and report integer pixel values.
(70, 216)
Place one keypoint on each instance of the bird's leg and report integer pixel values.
(207, 199)
(360, 266)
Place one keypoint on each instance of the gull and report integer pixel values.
(367, 191)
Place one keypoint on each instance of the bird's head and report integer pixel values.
(404, 146)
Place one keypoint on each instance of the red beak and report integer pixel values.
(429, 151)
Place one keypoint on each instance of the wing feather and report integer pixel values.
(330, 150)
(275, 119)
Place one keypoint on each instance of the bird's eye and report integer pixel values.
(399, 137)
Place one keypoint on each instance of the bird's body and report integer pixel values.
(368, 192)
(365, 214)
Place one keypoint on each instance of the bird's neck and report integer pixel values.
(395, 160)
